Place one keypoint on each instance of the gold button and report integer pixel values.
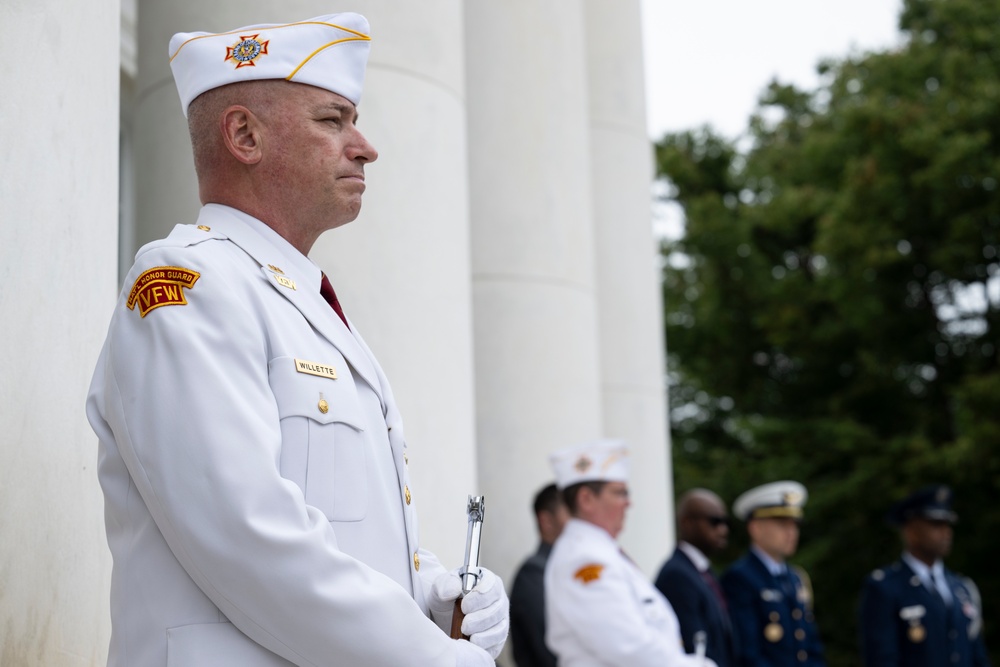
(800, 634)
(803, 656)
(204, 228)
(406, 459)
(416, 561)
(796, 614)
(324, 407)
(774, 616)
(406, 491)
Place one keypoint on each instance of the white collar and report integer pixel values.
(590, 529)
(302, 267)
(922, 570)
(774, 567)
(937, 581)
(700, 560)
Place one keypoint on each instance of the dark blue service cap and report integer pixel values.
(931, 502)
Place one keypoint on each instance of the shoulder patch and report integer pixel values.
(161, 286)
(589, 573)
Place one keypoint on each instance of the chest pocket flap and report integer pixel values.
(324, 448)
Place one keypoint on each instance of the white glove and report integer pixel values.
(487, 618)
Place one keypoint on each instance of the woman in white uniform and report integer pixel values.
(600, 608)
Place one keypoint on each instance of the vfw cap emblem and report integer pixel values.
(247, 50)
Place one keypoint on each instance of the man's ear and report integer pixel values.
(585, 498)
(544, 521)
(241, 132)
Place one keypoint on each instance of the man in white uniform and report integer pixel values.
(600, 608)
(258, 504)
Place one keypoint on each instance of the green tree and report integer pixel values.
(832, 309)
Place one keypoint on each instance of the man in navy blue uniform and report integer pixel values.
(916, 613)
(770, 602)
(527, 597)
(687, 581)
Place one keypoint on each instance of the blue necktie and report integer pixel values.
(936, 589)
(787, 587)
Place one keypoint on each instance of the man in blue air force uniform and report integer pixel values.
(688, 582)
(258, 501)
(770, 602)
(916, 613)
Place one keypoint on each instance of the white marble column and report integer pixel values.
(58, 238)
(630, 307)
(401, 269)
(538, 374)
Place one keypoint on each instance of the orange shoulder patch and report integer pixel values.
(589, 573)
(161, 286)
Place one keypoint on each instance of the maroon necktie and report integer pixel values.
(326, 290)
(714, 585)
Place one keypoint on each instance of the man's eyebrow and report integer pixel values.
(346, 109)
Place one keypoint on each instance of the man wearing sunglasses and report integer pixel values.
(688, 582)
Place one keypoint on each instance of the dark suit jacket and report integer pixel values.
(697, 608)
(772, 628)
(903, 624)
(527, 612)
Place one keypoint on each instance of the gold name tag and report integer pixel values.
(313, 368)
(283, 281)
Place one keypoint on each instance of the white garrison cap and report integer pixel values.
(777, 499)
(598, 461)
(327, 52)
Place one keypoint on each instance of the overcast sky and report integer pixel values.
(708, 60)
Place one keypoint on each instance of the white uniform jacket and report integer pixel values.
(601, 611)
(257, 501)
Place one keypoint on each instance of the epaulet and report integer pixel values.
(183, 236)
(882, 573)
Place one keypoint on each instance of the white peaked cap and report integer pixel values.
(774, 500)
(598, 461)
(327, 52)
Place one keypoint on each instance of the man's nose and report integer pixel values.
(362, 149)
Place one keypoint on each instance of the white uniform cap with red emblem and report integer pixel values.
(328, 52)
(598, 461)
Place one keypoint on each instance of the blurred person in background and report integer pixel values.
(771, 602)
(688, 582)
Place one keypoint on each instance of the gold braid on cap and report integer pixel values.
(776, 512)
